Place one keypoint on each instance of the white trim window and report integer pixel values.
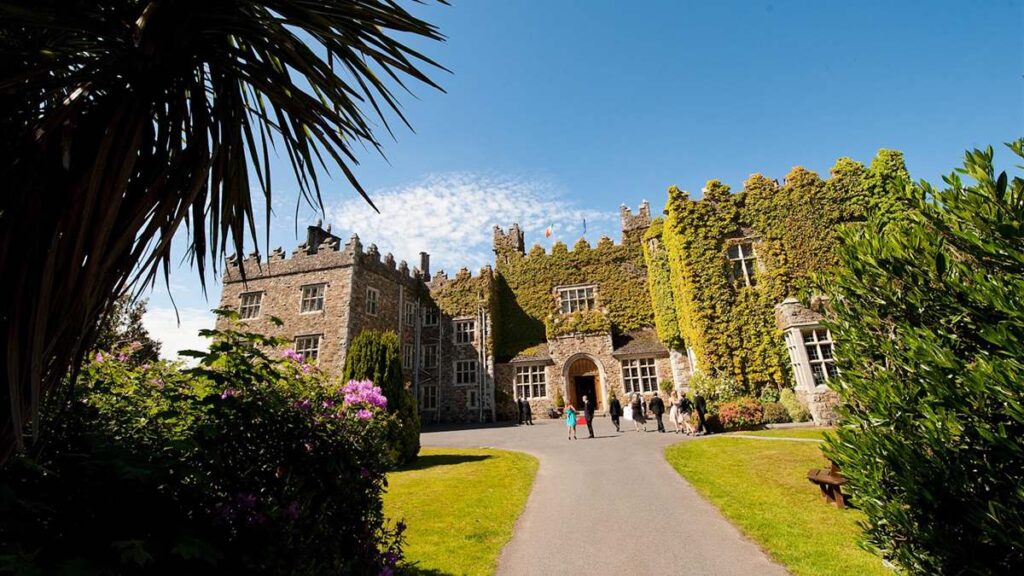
(743, 261)
(372, 301)
(818, 344)
(576, 299)
(430, 316)
(308, 346)
(531, 381)
(465, 330)
(639, 375)
(428, 356)
(465, 372)
(410, 313)
(249, 306)
(472, 399)
(312, 298)
(407, 356)
(428, 398)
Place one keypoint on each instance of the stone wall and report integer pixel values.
(821, 402)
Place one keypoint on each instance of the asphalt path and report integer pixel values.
(611, 505)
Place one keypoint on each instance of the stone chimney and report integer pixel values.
(425, 264)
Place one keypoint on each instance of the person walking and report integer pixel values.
(519, 406)
(637, 407)
(701, 406)
(527, 412)
(615, 411)
(588, 413)
(570, 420)
(673, 411)
(685, 409)
(658, 409)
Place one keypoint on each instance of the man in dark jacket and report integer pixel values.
(657, 407)
(701, 406)
(527, 412)
(519, 406)
(588, 411)
(615, 411)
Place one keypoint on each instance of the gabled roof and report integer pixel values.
(642, 342)
(534, 354)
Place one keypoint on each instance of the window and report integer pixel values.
(743, 259)
(639, 375)
(428, 356)
(410, 313)
(464, 330)
(428, 400)
(531, 382)
(429, 316)
(308, 347)
(250, 306)
(472, 399)
(312, 298)
(372, 301)
(407, 356)
(818, 344)
(576, 299)
(465, 372)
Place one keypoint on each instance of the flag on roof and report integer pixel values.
(548, 232)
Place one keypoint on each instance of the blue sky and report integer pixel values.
(558, 110)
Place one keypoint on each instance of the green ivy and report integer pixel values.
(582, 322)
(659, 285)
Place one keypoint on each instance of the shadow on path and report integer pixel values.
(431, 460)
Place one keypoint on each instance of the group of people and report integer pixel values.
(679, 413)
(525, 411)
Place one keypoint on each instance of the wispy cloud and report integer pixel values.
(162, 325)
(451, 216)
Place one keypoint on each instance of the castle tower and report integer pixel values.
(635, 225)
(507, 244)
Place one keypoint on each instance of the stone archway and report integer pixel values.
(583, 375)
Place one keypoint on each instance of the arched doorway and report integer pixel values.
(583, 377)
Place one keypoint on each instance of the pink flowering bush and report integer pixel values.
(245, 463)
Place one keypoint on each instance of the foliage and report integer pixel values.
(659, 285)
(774, 413)
(929, 312)
(376, 356)
(715, 389)
(761, 487)
(559, 399)
(463, 534)
(581, 322)
(666, 386)
(123, 328)
(769, 394)
(731, 326)
(125, 119)
(740, 414)
(526, 283)
(797, 411)
(245, 463)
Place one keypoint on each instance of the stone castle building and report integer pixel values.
(541, 325)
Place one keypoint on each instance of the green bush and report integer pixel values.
(740, 414)
(797, 411)
(769, 394)
(666, 386)
(929, 314)
(715, 389)
(376, 356)
(775, 413)
(248, 463)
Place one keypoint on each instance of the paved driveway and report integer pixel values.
(611, 505)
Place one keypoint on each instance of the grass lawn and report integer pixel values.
(811, 432)
(761, 487)
(460, 506)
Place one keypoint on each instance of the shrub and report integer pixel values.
(715, 389)
(775, 413)
(666, 387)
(247, 463)
(376, 356)
(740, 414)
(797, 411)
(929, 314)
(769, 394)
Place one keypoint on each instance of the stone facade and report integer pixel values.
(811, 357)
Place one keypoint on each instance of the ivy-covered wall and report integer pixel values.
(525, 287)
(659, 286)
(730, 326)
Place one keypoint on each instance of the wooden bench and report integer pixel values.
(830, 481)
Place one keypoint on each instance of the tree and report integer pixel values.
(929, 317)
(123, 327)
(124, 119)
(376, 356)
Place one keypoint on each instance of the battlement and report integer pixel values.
(510, 242)
(634, 225)
(441, 277)
(322, 250)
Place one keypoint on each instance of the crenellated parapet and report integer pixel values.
(508, 243)
(634, 225)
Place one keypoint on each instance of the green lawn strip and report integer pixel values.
(815, 432)
(762, 487)
(460, 506)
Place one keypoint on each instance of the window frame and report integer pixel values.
(242, 306)
(472, 399)
(428, 397)
(321, 298)
(463, 369)
(827, 365)
(533, 386)
(408, 358)
(748, 263)
(410, 314)
(588, 299)
(460, 336)
(370, 290)
(431, 316)
(305, 356)
(633, 383)
(424, 356)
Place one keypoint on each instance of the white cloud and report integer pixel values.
(451, 216)
(162, 325)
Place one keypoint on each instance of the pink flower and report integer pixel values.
(100, 357)
(292, 355)
(122, 357)
(229, 393)
(364, 414)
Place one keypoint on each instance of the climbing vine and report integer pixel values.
(792, 227)
(659, 285)
(582, 322)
